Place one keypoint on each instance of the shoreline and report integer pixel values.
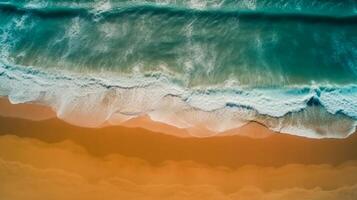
(38, 112)
(155, 147)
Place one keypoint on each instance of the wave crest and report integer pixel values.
(108, 10)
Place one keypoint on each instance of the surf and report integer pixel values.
(92, 101)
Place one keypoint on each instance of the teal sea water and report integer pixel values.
(288, 64)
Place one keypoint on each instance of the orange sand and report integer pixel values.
(50, 159)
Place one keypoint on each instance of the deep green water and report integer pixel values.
(271, 43)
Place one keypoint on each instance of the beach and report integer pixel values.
(48, 156)
(178, 100)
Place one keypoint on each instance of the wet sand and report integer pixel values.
(25, 111)
(38, 112)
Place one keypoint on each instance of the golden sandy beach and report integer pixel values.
(47, 158)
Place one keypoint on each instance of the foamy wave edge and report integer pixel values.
(313, 111)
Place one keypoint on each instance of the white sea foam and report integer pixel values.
(93, 101)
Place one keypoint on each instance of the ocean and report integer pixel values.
(289, 65)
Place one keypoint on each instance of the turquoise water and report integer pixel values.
(273, 58)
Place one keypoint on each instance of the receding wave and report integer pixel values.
(310, 111)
